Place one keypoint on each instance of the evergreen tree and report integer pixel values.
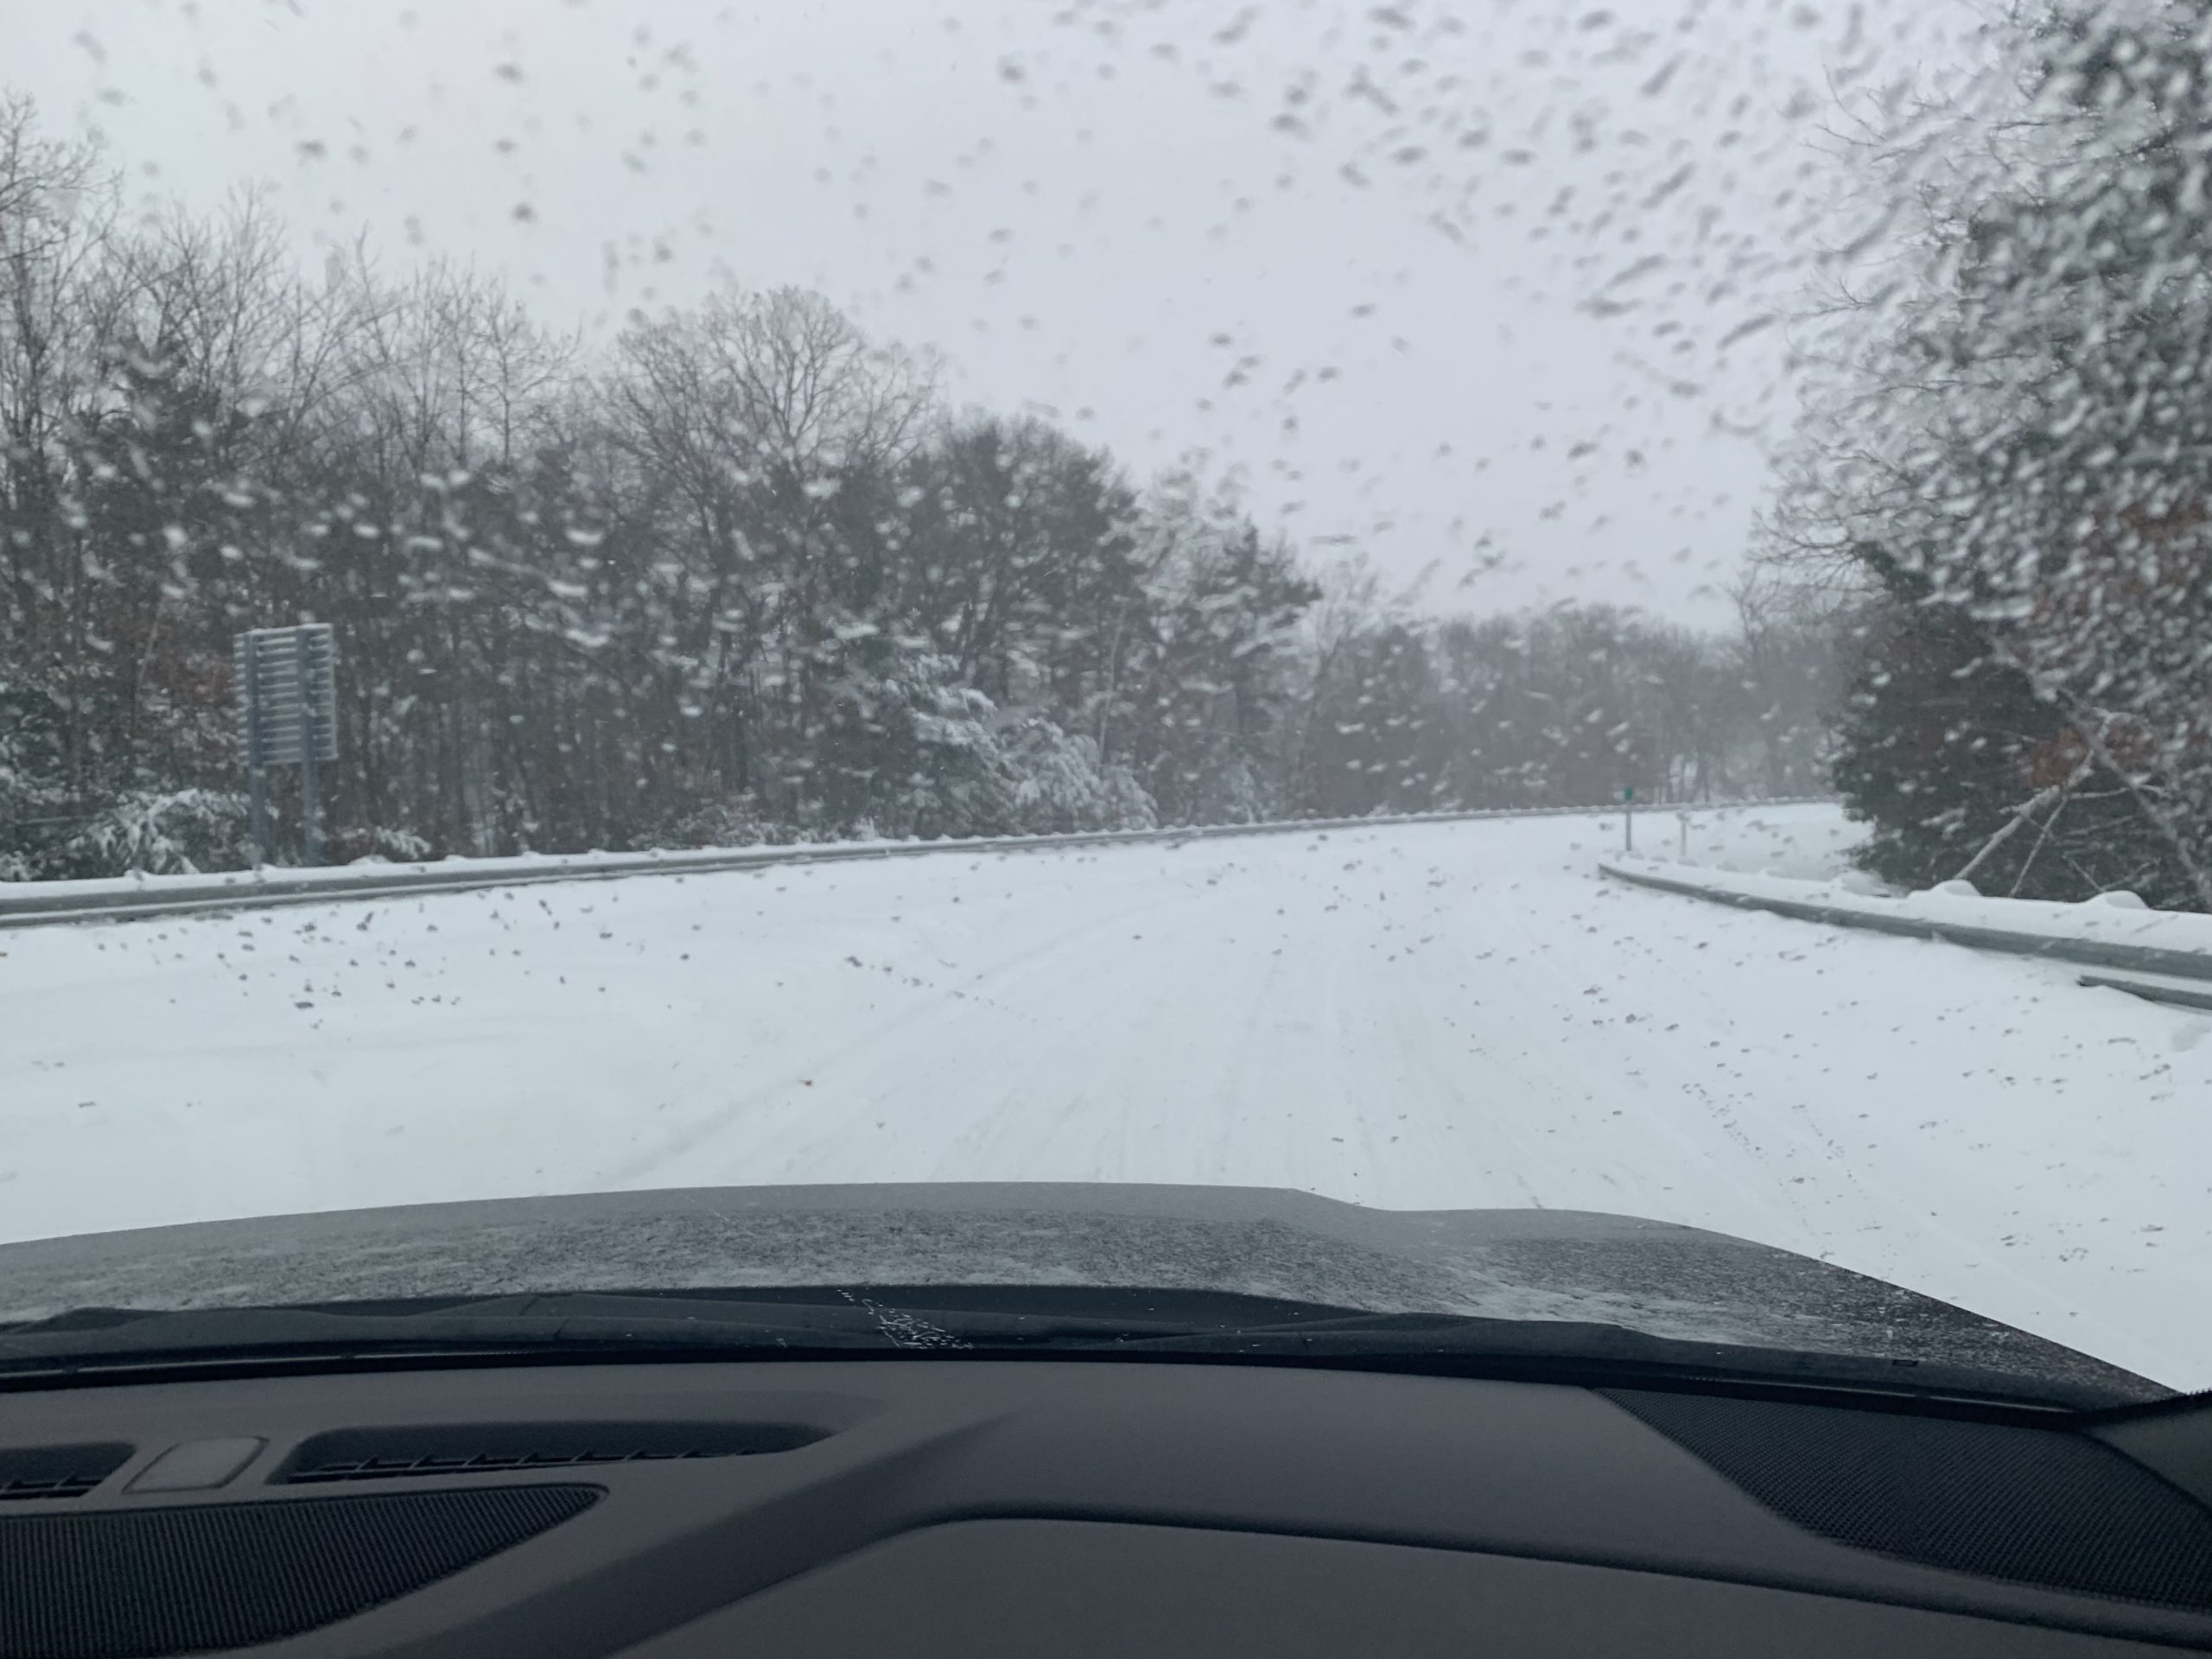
(1960, 767)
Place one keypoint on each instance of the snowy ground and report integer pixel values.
(1439, 1016)
(1801, 841)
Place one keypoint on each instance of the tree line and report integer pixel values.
(738, 573)
(2006, 483)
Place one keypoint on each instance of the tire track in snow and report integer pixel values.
(685, 1156)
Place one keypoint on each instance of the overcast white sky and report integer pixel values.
(1478, 287)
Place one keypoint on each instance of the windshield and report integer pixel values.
(1462, 607)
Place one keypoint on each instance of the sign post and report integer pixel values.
(310, 816)
(288, 715)
(1627, 819)
(257, 777)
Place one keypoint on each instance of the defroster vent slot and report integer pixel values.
(510, 1448)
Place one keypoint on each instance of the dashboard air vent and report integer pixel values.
(59, 1471)
(511, 1448)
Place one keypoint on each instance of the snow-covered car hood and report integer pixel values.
(1653, 1277)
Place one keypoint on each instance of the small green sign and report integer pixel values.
(1628, 794)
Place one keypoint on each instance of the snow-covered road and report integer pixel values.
(1439, 1016)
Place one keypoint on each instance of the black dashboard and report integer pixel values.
(926, 1504)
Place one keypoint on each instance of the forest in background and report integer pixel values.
(740, 574)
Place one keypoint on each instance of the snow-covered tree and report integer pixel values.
(2015, 455)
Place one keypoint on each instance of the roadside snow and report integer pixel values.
(1813, 842)
(459, 872)
(2108, 918)
(1443, 1016)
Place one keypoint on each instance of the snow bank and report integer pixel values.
(1811, 839)
(370, 873)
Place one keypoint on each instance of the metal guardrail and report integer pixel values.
(264, 889)
(2198, 996)
(2092, 953)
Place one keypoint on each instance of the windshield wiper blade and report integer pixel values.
(1009, 1321)
(221, 1336)
(1590, 1352)
(96, 1338)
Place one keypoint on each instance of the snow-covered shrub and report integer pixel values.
(1061, 786)
(730, 821)
(960, 765)
(379, 845)
(1231, 793)
(32, 795)
(160, 832)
